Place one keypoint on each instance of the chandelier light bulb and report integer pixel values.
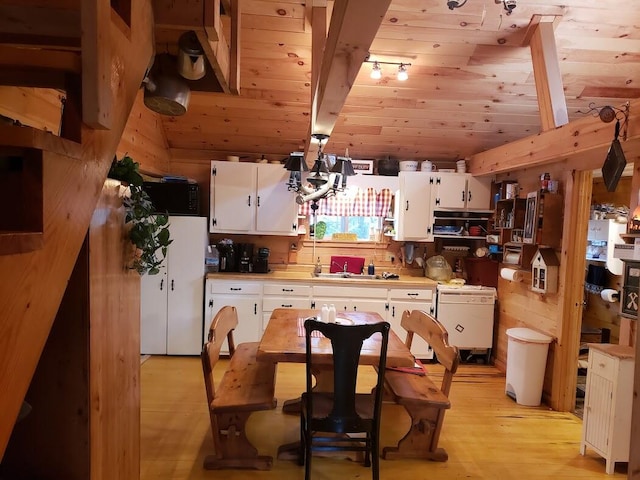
(402, 73)
(376, 72)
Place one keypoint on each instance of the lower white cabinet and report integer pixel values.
(171, 301)
(352, 299)
(401, 299)
(280, 295)
(246, 297)
(606, 424)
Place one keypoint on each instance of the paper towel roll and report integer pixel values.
(511, 274)
(609, 295)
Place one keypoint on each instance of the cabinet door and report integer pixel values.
(185, 284)
(153, 313)
(233, 187)
(478, 193)
(451, 191)
(414, 215)
(249, 309)
(419, 347)
(277, 211)
(368, 305)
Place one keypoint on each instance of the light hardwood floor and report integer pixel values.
(487, 435)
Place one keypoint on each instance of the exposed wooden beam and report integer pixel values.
(587, 139)
(548, 78)
(39, 25)
(234, 47)
(353, 26)
(96, 64)
(16, 57)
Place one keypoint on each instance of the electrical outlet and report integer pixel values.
(389, 257)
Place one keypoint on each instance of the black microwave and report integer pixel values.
(175, 198)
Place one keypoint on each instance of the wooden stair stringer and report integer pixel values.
(32, 284)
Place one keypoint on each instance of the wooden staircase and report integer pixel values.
(62, 178)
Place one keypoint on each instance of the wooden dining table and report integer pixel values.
(283, 341)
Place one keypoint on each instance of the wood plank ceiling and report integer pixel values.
(470, 88)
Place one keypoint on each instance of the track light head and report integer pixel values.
(402, 73)
(376, 71)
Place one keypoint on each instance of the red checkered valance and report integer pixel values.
(353, 202)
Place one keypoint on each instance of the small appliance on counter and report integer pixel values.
(227, 253)
(261, 263)
(245, 257)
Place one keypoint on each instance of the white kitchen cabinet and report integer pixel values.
(401, 299)
(352, 299)
(251, 198)
(280, 295)
(171, 301)
(413, 210)
(246, 297)
(606, 425)
(461, 191)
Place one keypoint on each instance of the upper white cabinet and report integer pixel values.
(460, 191)
(251, 198)
(171, 301)
(413, 209)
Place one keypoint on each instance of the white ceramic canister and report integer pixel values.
(427, 166)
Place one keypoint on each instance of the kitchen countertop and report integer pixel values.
(307, 278)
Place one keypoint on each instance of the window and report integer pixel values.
(364, 227)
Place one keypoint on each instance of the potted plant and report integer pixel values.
(149, 231)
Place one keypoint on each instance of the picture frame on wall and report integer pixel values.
(362, 166)
(530, 218)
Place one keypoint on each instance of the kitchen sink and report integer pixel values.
(356, 276)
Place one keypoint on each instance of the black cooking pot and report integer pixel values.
(388, 166)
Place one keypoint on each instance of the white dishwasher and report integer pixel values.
(467, 313)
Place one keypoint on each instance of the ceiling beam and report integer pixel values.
(548, 78)
(353, 26)
(586, 139)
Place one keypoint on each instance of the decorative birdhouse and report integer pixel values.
(544, 271)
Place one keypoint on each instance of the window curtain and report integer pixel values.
(353, 202)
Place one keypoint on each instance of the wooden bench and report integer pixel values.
(424, 401)
(246, 387)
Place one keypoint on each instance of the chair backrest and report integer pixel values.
(433, 332)
(346, 342)
(221, 327)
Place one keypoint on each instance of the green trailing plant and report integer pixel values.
(149, 231)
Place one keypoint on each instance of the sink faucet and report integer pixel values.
(344, 267)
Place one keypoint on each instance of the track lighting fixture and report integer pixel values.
(402, 73)
(376, 70)
(455, 3)
(508, 5)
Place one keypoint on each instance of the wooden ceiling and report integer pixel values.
(471, 85)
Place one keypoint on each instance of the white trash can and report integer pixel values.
(526, 362)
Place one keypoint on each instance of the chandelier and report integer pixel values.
(323, 182)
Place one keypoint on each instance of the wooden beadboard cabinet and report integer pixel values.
(606, 426)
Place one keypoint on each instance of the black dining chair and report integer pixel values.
(343, 420)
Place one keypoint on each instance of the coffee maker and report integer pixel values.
(227, 257)
(245, 257)
(261, 263)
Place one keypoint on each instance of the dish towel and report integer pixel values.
(315, 333)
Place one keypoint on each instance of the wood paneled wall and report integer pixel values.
(85, 393)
